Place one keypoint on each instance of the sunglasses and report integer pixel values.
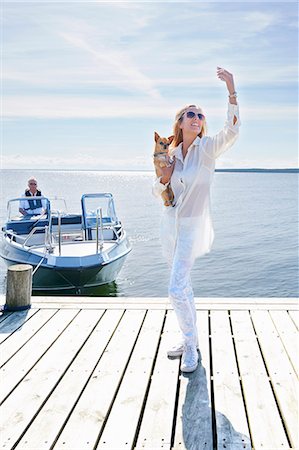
(191, 115)
(32, 184)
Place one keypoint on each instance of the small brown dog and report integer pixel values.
(162, 159)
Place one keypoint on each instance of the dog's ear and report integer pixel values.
(171, 138)
(156, 136)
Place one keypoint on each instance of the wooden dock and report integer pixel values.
(92, 373)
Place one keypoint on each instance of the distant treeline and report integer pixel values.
(260, 170)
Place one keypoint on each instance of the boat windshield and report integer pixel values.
(28, 209)
(91, 206)
(58, 206)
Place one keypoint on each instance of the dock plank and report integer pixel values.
(17, 368)
(231, 421)
(160, 306)
(163, 303)
(283, 302)
(44, 430)
(128, 403)
(260, 402)
(20, 408)
(13, 322)
(156, 425)
(93, 406)
(295, 317)
(194, 414)
(281, 372)
(288, 334)
(98, 376)
(17, 340)
(4, 315)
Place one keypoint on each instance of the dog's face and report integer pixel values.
(162, 144)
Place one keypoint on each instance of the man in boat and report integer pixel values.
(32, 205)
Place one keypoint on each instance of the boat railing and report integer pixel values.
(24, 239)
(100, 227)
(99, 216)
(59, 233)
(12, 235)
(48, 239)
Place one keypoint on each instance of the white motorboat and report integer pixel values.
(68, 252)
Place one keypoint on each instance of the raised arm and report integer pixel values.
(223, 140)
(224, 75)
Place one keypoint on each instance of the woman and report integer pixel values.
(186, 229)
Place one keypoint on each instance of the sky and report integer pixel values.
(86, 84)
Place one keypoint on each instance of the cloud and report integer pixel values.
(258, 21)
(86, 77)
(72, 46)
(126, 45)
(75, 107)
(143, 60)
(78, 161)
(262, 163)
(119, 61)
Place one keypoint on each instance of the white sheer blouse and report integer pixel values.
(190, 217)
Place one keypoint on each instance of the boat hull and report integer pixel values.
(46, 279)
(58, 274)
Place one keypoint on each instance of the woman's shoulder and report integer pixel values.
(199, 141)
(205, 142)
(207, 147)
(206, 138)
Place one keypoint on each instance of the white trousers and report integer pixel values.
(182, 300)
(180, 260)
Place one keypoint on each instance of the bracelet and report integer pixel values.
(234, 94)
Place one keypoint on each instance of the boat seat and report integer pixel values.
(25, 226)
(72, 219)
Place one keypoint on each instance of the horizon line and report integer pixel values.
(233, 169)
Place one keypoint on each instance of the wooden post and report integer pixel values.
(18, 287)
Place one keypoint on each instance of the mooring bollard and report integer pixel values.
(18, 287)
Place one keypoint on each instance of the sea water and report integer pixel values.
(255, 217)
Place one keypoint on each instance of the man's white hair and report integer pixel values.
(32, 179)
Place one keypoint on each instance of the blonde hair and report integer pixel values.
(177, 131)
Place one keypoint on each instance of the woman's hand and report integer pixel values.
(166, 172)
(226, 76)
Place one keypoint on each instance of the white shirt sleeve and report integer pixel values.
(23, 202)
(158, 187)
(223, 140)
(44, 204)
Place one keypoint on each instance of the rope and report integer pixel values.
(39, 264)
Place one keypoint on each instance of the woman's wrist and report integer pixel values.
(232, 94)
(233, 100)
(230, 87)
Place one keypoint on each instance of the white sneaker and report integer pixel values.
(177, 350)
(189, 359)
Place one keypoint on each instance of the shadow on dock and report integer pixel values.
(199, 421)
(13, 322)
